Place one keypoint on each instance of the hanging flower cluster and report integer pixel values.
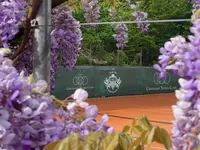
(196, 5)
(182, 58)
(28, 117)
(65, 36)
(12, 13)
(112, 12)
(121, 36)
(140, 16)
(92, 11)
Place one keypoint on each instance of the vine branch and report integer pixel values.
(27, 27)
(55, 3)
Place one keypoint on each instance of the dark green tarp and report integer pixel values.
(102, 81)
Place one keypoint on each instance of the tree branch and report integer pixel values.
(57, 2)
(1, 44)
(27, 27)
(28, 47)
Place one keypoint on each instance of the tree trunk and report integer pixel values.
(41, 44)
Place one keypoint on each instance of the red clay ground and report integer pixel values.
(156, 107)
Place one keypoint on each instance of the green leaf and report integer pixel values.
(135, 144)
(113, 3)
(51, 146)
(139, 147)
(103, 134)
(110, 142)
(87, 146)
(198, 148)
(144, 123)
(30, 79)
(125, 140)
(143, 136)
(161, 136)
(150, 136)
(70, 142)
(93, 136)
(137, 129)
(133, 124)
(126, 128)
(196, 15)
(92, 140)
(123, 143)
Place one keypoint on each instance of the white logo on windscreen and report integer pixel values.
(80, 80)
(157, 80)
(112, 83)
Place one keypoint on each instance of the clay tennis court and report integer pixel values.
(121, 109)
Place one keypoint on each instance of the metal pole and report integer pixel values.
(41, 44)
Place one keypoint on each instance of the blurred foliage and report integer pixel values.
(142, 128)
(102, 45)
(162, 32)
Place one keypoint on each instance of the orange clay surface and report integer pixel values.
(121, 109)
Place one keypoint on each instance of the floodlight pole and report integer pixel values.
(41, 44)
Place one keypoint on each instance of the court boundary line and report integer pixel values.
(129, 118)
(140, 106)
(149, 109)
(141, 95)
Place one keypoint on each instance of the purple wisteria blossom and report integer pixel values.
(12, 14)
(92, 11)
(140, 16)
(121, 36)
(66, 36)
(183, 58)
(27, 114)
(196, 5)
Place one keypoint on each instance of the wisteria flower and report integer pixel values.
(140, 16)
(91, 111)
(121, 36)
(66, 36)
(182, 57)
(79, 97)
